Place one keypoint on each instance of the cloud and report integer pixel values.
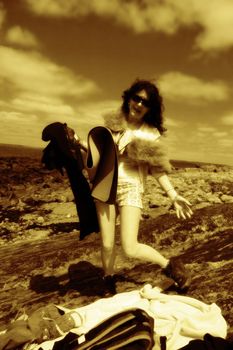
(25, 126)
(34, 73)
(36, 93)
(227, 119)
(212, 18)
(202, 143)
(228, 143)
(15, 117)
(19, 36)
(140, 16)
(220, 134)
(171, 122)
(100, 108)
(19, 128)
(207, 129)
(91, 114)
(216, 18)
(179, 86)
(28, 102)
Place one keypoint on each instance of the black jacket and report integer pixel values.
(63, 152)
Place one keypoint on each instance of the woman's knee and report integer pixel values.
(107, 248)
(130, 250)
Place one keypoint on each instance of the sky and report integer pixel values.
(70, 61)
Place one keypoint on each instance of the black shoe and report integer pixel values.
(110, 284)
(176, 270)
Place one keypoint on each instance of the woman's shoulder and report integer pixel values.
(115, 120)
(147, 132)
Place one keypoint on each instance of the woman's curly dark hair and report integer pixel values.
(154, 116)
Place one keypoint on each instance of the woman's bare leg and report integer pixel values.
(130, 219)
(107, 221)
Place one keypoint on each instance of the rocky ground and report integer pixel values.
(43, 260)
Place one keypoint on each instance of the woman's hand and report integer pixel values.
(182, 207)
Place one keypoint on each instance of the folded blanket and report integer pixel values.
(178, 318)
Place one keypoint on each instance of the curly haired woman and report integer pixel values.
(137, 129)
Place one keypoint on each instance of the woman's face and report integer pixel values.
(138, 107)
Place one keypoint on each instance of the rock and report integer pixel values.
(226, 198)
(40, 219)
(41, 239)
(212, 198)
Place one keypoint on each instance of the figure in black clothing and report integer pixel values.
(64, 152)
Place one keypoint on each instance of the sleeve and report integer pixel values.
(152, 153)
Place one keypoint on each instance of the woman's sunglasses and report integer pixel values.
(139, 99)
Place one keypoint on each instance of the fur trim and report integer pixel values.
(152, 153)
(142, 150)
(115, 121)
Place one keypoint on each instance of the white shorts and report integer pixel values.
(129, 194)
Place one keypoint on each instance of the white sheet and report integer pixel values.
(179, 318)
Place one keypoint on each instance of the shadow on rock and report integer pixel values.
(86, 278)
(61, 227)
(83, 277)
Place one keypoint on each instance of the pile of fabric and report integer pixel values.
(177, 320)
